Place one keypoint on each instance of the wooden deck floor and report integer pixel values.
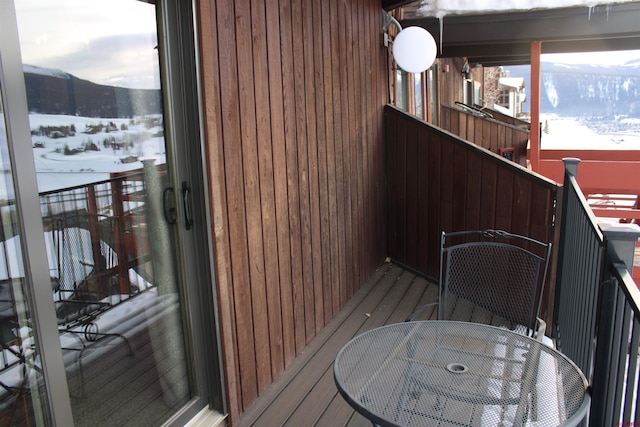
(305, 393)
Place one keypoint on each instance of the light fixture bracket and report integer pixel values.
(387, 20)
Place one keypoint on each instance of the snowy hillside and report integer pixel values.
(586, 106)
(70, 150)
(592, 91)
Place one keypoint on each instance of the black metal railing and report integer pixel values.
(580, 264)
(615, 374)
(597, 310)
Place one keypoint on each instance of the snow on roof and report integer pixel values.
(514, 82)
(452, 7)
(502, 109)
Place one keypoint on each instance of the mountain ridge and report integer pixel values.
(586, 89)
(52, 91)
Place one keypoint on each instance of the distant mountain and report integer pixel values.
(56, 92)
(586, 90)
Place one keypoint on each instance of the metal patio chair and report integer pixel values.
(17, 355)
(85, 283)
(493, 277)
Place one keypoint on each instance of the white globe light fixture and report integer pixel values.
(414, 49)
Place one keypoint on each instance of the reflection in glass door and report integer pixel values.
(22, 393)
(91, 72)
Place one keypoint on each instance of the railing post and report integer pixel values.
(571, 165)
(621, 242)
(570, 168)
(117, 203)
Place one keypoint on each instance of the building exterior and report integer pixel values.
(511, 95)
(250, 218)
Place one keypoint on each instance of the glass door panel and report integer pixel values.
(91, 71)
(22, 393)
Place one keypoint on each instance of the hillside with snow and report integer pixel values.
(73, 150)
(594, 91)
(588, 106)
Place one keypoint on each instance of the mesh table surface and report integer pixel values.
(449, 373)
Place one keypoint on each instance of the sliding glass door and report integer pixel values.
(106, 135)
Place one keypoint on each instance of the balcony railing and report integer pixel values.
(615, 375)
(98, 231)
(597, 308)
(580, 269)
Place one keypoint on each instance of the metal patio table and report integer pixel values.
(459, 373)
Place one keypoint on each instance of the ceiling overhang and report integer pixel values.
(505, 38)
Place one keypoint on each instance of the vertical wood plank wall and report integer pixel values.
(450, 83)
(294, 93)
(437, 182)
(487, 133)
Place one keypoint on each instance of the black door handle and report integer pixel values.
(186, 202)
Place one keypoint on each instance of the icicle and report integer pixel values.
(440, 16)
(590, 9)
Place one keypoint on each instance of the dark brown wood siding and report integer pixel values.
(487, 133)
(294, 93)
(450, 83)
(438, 182)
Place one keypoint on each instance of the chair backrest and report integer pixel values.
(501, 272)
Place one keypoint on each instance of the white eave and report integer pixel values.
(441, 8)
(513, 82)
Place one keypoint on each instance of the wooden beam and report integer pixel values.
(597, 155)
(534, 141)
(392, 4)
(618, 177)
(562, 30)
(625, 213)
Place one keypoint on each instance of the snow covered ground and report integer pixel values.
(141, 138)
(573, 133)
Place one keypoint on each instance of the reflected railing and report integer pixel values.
(98, 251)
(97, 239)
(115, 299)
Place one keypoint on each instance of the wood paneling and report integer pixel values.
(293, 95)
(438, 182)
(486, 133)
(449, 83)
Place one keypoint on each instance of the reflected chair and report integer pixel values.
(86, 282)
(17, 357)
(493, 277)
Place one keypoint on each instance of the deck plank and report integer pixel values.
(311, 407)
(290, 386)
(305, 393)
(267, 400)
